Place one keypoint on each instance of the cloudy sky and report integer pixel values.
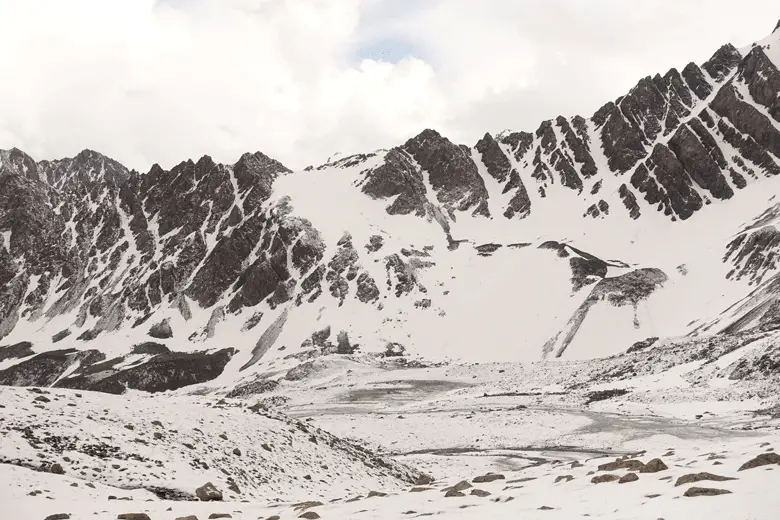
(149, 81)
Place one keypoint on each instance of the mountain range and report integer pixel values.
(653, 217)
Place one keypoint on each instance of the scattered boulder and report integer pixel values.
(762, 460)
(208, 493)
(134, 516)
(460, 486)
(191, 517)
(489, 477)
(214, 516)
(696, 477)
(161, 330)
(566, 478)
(419, 489)
(376, 494)
(58, 516)
(628, 477)
(57, 469)
(654, 466)
(453, 493)
(303, 506)
(629, 464)
(608, 477)
(424, 480)
(310, 515)
(480, 493)
(705, 492)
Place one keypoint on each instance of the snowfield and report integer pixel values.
(545, 428)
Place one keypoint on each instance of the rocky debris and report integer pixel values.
(642, 345)
(480, 493)
(161, 330)
(376, 494)
(600, 479)
(629, 464)
(424, 480)
(190, 517)
(302, 506)
(704, 492)
(564, 478)
(254, 388)
(654, 466)
(489, 477)
(375, 243)
(58, 516)
(394, 350)
(214, 516)
(460, 486)
(628, 477)
(690, 478)
(134, 516)
(453, 493)
(764, 459)
(603, 395)
(208, 493)
(309, 515)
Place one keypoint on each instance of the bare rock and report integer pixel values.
(628, 477)
(489, 477)
(600, 479)
(134, 516)
(697, 477)
(424, 480)
(762, 460)
(654, 466)
(161, 330)
(208, 493)
(303, 506)
(460, 486)
(630, 464)
(705, 492)
(480, 493)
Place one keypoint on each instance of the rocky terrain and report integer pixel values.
(510, 328)
(209, 269)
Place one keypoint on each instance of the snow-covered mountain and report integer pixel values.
(653, 217)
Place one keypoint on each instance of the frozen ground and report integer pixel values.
(531, 423)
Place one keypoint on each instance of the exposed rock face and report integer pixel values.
(115, 249)
(451, 172)
(165, 370)
(208, 493)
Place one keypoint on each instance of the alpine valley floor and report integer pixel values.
(537, 434)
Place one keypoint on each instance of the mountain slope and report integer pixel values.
(575, 240)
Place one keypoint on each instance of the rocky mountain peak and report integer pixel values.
(18, 162)
(722, 62)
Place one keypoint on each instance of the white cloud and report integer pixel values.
(162, 81)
